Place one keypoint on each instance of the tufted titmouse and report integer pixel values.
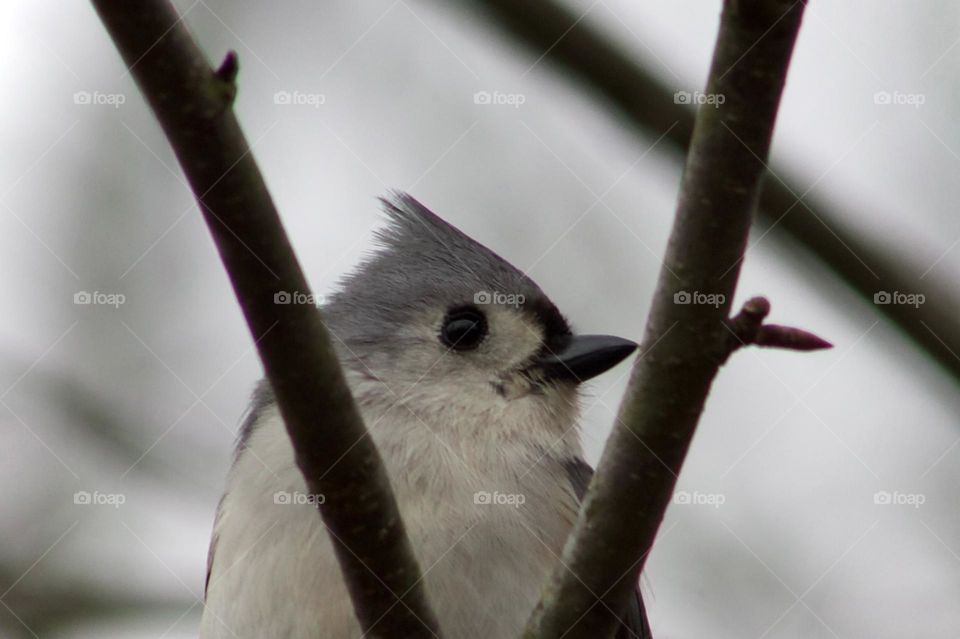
(467, 379)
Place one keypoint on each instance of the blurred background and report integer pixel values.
(820, 496)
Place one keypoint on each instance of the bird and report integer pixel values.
(468, 379)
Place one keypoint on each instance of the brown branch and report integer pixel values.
(868, 266)
(193, 105)
(684, 342)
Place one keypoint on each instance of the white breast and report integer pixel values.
(274, 573)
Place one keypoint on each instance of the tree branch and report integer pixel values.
(684, 342)
(865, 265)
(333, 450)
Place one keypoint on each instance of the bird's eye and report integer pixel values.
(463, 328)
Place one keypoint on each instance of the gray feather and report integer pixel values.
(424, 261)
(261, 399)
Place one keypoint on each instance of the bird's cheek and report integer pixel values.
(513, 386)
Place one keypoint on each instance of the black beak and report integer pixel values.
(583, 357)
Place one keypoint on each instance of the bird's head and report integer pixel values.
(440, 324)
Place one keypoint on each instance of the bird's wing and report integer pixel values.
(213, 546)
(634, 624)
(261, 400)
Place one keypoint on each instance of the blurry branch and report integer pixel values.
(684, 344)
(82, 408)
(564, 38)
(59, 603)
(333, 449)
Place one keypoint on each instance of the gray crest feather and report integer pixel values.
(422, 262)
